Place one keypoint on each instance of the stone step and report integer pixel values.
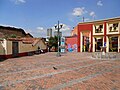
(102, 55)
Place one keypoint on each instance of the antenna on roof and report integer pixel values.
(94, 17)
(83, 19)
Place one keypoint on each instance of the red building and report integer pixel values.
(71, 43)
(91, 36)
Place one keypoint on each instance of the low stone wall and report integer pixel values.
(108, 56)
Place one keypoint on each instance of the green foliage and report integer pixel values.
(53, 42)
(1, 38)
(13, 36)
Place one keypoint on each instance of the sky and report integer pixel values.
(36, 16)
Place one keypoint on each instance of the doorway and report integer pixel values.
(98, 44)
(15, 49)
(113, 44)
(85, 44)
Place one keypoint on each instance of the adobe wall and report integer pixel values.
(26, 47)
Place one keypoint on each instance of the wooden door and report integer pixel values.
(15, 49)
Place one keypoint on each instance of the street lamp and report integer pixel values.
(58, 27)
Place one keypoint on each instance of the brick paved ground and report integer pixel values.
(75, 71)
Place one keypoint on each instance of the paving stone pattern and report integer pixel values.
(74, 71)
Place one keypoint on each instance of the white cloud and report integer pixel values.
(38, 32)
(40, 28)
(87, 19)
(79, 11)
(99, 3)
(66, 33)
(65, 30)
(22, 1)
(92, 13)
(42, 32)
(18, 1)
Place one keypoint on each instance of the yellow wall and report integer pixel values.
(9, 47)
(41, 45)
(25, 47)
(6, 47)
(29, 47)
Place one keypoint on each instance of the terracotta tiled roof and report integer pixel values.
(14, 39)
(28, 40)
(36, 41)
(32, 41)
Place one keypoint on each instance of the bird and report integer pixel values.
(54, 68)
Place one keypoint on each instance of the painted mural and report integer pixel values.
(72, 48)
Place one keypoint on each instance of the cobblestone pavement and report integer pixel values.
(72, 71)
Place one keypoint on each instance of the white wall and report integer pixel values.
(8, 47)
(2, 51)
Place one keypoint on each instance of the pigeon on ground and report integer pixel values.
(54, 68)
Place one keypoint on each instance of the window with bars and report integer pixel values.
(113, 28)
(98, 29)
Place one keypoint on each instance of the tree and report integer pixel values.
(53, 42)
(13, 36)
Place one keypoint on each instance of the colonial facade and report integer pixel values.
(91, 36)
(21, 44)
(15, 47)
